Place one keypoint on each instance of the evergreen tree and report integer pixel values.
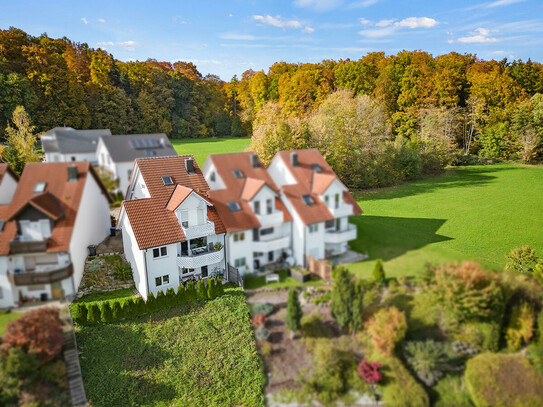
(117, 311)
(181, 296)
(82, 314)
(160, 299)
(129, 308)
(378, 273)
(190, 292)
(358, 305)
(342, 297)
(211, 288)
(151, 304)
(140, 307)
(171, 298)
(294, 312)
(106, 313)
(201, 292)
(220, 288)
(94, 314)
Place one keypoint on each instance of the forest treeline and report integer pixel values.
(421, 110)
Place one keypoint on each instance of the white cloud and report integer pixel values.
(500, 3)
(126, 45)
(278, 21)
(417, 22)
(364, 21)
(237, 37)
(318, 5)
(308, 30)
(230, 15)
(101, 20)
(378, 32)
(480, 35)
(84, 20)
(362, 4)
(106, 44)
(384, 23)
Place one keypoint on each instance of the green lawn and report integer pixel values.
(202, 354)
(201, 148)
(5, 317)
(253, 283)
(478, 213)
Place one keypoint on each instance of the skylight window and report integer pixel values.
(2, 222)
(308, 200)
(39, 187)
(167, 180)
(317, 168)
(238, 174)
(150, 153)
(234, 206)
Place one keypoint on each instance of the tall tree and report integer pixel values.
(20, 140)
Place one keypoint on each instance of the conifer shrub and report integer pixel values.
(181, 297)
(519, 331)
(201, 291)
(106, 314)
(117, 311)
(81, 314)
(94, 316)
(140, 307)
(171, 298)
(151, 304)
(484, 336)
(378, 273)
(211, 294)
(294, 311)
(262, 333)
(220, 288)
(160, 300)
(342, 297)
(427, 359)
(129, 308)
(190, 292)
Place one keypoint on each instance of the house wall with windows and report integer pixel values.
(162, 269)
(71, 157)
(8, 185)
(134, 256)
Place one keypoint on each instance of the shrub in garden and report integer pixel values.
(190, 292)
(262, 308)
(294, 311)
(386, 328)
(81, 314)
(181, 296)
(55, 372)
(211, 294)
(342, 297)
(220, 288)
(519, 331)
(312, 326)
(18, 364)
(171, 298)
(106, 314)
(151, 304)
(369, 372)
(117, 311)
(140, 307)
(378, 273)
(427, 359)
(94, 316)
(357, 312)
(522, 260)
(160, 299)
(503, 380)
(38, 331)
(201, 291)
(262, 333)
(121, 269)
(129, 308)
(480, 335)
(259, 320)
(452, 392)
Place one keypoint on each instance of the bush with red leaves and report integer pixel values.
(259, 320)
(38, 331)
(369, 371)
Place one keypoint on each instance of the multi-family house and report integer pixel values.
(320, 204)
(116, 154)
(56, 212)
(8, 183)
(171, 230)
(258, 226)
(65, 144)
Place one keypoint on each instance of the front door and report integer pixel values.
(56, 291)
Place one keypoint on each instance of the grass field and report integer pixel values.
(201, 354)
(201, 148)
(478, 213)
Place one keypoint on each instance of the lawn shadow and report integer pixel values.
(454, 178)
(387, 237)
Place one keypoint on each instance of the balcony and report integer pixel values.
(273, 218)
(54, 274)
(19, 245)
(340, 236)
(277, 243)
(344, 209)
(204, 258)
(192, 232)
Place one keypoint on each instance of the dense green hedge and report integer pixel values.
(503, 380)
(87, 313)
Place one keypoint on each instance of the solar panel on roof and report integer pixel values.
(144, 143)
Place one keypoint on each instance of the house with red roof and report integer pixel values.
(8, 183)
(319, 203)
(258, 225)
(56, 211)
(172, 232)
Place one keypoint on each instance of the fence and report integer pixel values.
(320, 267)
(71, 358)
(233, 275)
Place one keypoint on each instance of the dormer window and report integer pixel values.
(234, 206)
(238, 174)
(39, 187)
(167, 180)
(189, 166)
(308, 200)
(212, 176)
(317, 168)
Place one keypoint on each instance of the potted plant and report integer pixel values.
(217, 246)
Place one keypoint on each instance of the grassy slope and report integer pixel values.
(5, 318)
(477, 213)
(201, 148)
(196, 355)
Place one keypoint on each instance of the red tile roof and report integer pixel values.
(312, 183)
(241, 190)
(153, 223)
(60, 201)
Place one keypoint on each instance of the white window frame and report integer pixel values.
(162, 252)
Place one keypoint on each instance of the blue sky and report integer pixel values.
(229, 37)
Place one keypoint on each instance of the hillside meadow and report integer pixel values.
(201, 148)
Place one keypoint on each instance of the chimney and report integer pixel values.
(294, 159)
(189, 166)
(254, 161)
(72, 173)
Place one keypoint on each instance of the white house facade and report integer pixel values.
(171, 230)
(57, 211)
(116, 154)
(8, 184)
(65, 144)
(258, 226)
